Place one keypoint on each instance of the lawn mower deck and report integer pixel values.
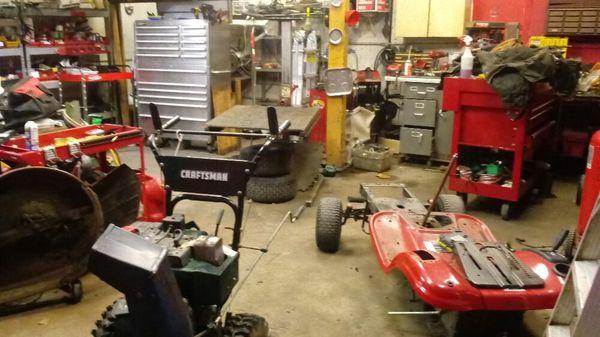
(452, 262)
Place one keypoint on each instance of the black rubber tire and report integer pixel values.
(507, 211)
(328, 231)
(568, 247)
(450, 203)
(116, 321)
(274, 162)
(272, 190)
(489, 324)
(245, 325)
(75, 292)
(579, 190)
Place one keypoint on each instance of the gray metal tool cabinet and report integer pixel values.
(177, 61)
(426, 130)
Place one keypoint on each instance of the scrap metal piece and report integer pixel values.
(492, 265)
(338, 82)
(119, 193)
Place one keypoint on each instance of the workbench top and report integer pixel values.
(254, 117)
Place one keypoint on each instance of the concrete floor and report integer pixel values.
(303, 292)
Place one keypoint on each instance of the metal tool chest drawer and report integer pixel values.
(419, 112)
(416, 141)
(177, 61)
(420, 91)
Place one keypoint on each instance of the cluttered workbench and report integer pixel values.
(249, 117)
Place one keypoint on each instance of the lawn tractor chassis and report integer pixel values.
(459, 283)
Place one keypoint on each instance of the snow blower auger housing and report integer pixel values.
(176, 278)
(452, 261)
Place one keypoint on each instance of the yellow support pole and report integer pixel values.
(336, 105)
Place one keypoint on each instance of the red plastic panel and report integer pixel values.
(437, 276)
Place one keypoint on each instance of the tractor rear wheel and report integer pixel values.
(450, 203)
(245, 325)
(272, 190)
(275, 161)
(485, 323)
(116, 321)
(329, 224)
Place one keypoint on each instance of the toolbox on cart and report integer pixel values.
(519, 137)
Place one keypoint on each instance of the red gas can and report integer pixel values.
(591, 185)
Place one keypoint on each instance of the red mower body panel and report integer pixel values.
(437, 275)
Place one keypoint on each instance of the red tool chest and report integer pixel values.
(481, 122)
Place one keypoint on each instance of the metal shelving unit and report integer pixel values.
(68, 12)
(28, 52)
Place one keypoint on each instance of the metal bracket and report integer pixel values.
(339, 82)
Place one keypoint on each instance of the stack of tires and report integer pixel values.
(272, 181)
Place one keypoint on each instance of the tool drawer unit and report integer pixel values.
(426, 130)
(482, 123)
(176, 62)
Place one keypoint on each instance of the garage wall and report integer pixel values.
(531, 14)
(366, 40)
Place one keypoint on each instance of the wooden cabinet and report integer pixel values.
(411, 18)
(447, 17)
(430, 18)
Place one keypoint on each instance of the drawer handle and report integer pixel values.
(416, 134)
(421, 92)
(419, 114)
(430, 89)
(419, 105)
(413, 88)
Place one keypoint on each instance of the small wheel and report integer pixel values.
(546, 185)
(116, 321)
(450, 203)
(329, 224)
(75, 292)
(245, 325)
(579, 190)
(507, 211)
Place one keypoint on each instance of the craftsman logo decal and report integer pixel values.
(204, 175)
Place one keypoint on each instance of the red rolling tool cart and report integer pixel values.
(499, 150)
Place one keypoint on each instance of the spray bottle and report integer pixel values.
(467, 59)
(32, 137)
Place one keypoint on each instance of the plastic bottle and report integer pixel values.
(32, 137)
(467, 59)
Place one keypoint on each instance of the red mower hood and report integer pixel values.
(437, 275)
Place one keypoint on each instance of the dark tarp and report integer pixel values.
(512, 72)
